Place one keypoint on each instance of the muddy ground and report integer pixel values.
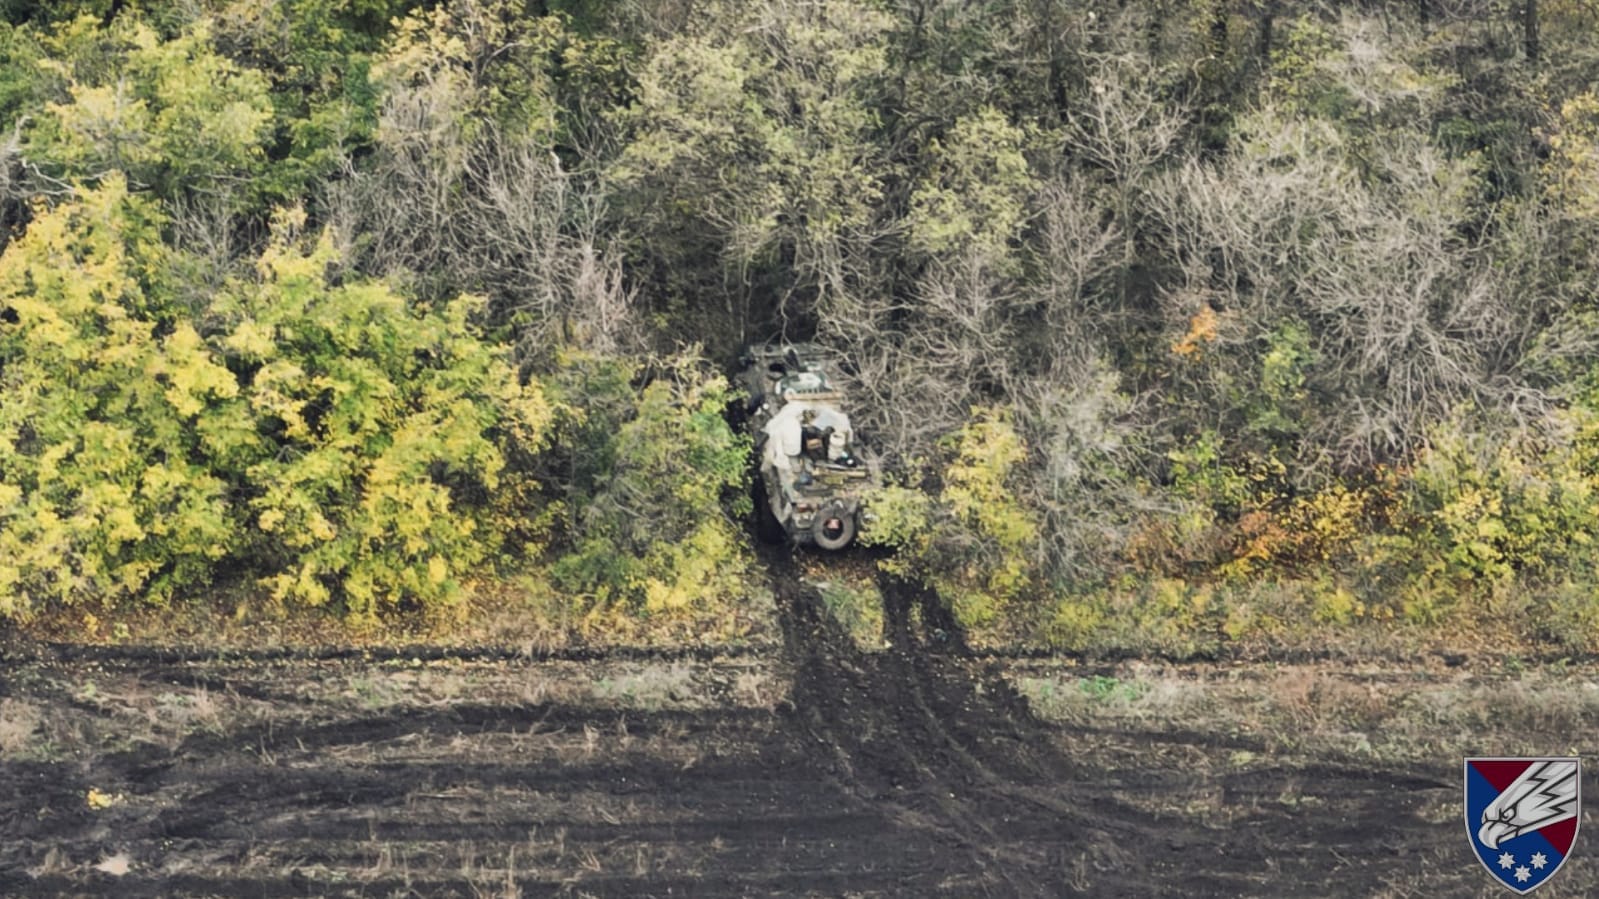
(811, 770)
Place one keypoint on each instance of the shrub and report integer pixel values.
(659, 534)
(330, 438)
(175, 115)
(384, 430)
(109, 399)
(1567, 612)
(1498, 508)
(975, 542)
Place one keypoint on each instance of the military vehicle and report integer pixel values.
(813, 472)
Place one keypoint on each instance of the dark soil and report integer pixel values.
(824, 771)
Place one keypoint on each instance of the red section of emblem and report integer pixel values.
(1500, 773)
(1561, 834)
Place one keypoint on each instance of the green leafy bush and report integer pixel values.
(660, 534)
(328, 437)
(173, 115)
(384, 427)
(974, 543)
(106, 491)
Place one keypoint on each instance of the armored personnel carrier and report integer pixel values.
(813, 473)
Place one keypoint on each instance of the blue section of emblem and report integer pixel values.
(1521, 863)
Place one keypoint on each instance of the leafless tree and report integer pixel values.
(1409, 318)
(492, 214)
(21, 182)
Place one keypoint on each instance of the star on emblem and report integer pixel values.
(1539, 860)
(1506, 860)
(1522, 874)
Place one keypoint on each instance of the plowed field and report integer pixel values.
(811, 770)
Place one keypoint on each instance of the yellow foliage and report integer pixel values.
(977, 543)
(251, 341)
(1573, 166)
(1074, 621)
(1336, 605)
(97, 799)
(1202, 329)
(191, 376)
(105, 498)
(121, 452)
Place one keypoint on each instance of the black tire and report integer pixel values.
(833, 529)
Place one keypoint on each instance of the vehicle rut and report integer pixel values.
(811, 768)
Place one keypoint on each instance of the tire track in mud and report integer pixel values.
(885, 775)
(473, 798)
(937, 738)
(949, 750)
(914, 772)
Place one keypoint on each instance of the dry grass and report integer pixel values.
(1356, 713)
(650, 686)
(522, 611)
(19, 727)
(756, 688)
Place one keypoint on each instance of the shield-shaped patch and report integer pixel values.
(1521, 816)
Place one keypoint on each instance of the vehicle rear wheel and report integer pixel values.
(834, 528)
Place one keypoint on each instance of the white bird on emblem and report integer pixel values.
(1544, 794)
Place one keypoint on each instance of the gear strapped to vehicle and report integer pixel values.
(813, 474)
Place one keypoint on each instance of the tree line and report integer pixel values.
(1171, 319)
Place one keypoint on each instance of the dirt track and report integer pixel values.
(818, 771)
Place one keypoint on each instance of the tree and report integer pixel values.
(655, 531)
(465, 192)
(383, 427)
(173, 115)
(750, 144)
(974, 539)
